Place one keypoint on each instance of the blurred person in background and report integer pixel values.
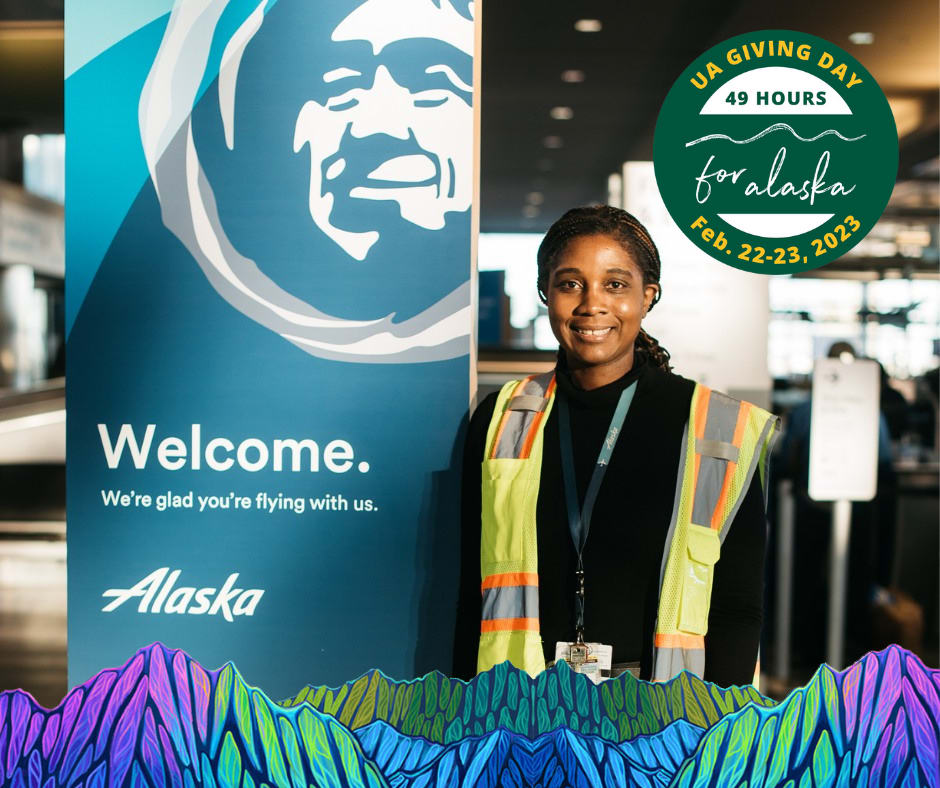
(872, 537)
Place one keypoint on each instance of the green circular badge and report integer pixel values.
(775, 152)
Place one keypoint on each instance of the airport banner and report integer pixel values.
(268, 234)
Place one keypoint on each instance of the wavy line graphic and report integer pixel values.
(771, 130)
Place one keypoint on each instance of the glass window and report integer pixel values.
(44, 165)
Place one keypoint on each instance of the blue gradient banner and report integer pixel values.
(268, 296)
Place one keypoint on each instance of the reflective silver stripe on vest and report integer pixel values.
(770, 433)
(669, 662)
(510, 602)
(519, 417)
(720, 421)
(719, 449)
(531, 402)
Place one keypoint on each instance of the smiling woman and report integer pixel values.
(656, 469)
(597, 295)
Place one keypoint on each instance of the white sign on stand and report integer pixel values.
(843, 440)
(843, 466)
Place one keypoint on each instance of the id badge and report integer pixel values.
(591, 659)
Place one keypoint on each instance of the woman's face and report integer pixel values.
(596, 301)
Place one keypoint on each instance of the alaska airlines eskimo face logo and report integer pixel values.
(423, 118)
(431, 120)
(775, 152)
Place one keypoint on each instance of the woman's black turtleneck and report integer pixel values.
(624, 551)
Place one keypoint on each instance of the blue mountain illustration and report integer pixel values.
(560, 758)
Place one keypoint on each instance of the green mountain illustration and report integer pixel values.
(444, 710)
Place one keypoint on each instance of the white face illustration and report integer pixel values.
(391, 130)
(389, 126)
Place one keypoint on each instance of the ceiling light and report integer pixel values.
(572, 75)
(31, 30)
(552, 141)
(561, 113)
(535, 198)
(862, 38)
(530, 212)
(588, 25)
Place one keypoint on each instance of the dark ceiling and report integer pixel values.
(628, 68)
(28, 10)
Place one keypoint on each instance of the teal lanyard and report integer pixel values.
(579, 518)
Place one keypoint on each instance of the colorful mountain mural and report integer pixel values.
(161, 720)
(877, 723)
(446, 710)
(560, 758)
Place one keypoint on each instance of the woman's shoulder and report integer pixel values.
(484, 409)
(665, 383)
(479, 425)
(663, 399)
(669, 387)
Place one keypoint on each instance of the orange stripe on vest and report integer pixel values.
(511, 579)
(536, 421)
(677, 640)
(505, 418)
(744, 411)
(504, 624)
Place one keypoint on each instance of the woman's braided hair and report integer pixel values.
(630, 234)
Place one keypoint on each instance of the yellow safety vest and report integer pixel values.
(724, 441)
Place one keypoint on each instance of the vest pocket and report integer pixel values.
(508, 486)
(703, 548)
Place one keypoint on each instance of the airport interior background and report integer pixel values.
(570, 95)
